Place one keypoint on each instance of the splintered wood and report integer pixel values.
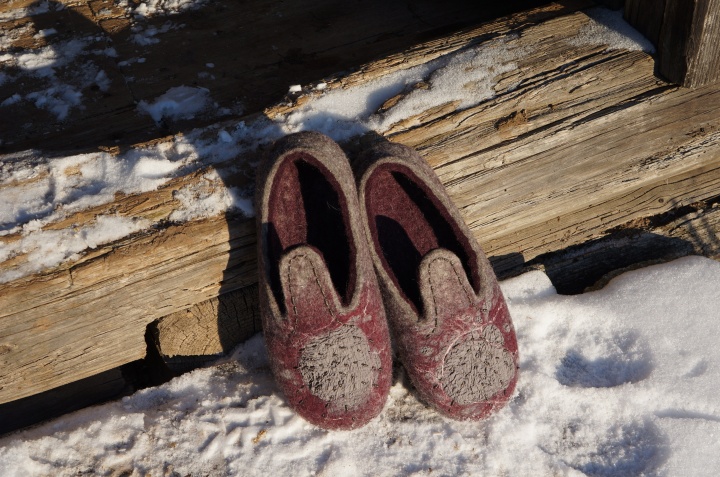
(578, 139)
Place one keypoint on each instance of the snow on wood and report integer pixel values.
(565, 141)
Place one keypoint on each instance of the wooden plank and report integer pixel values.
(613, 4)
(256, 49)
(104, 111)
(578, 139)
(687, 35)
(586, 170)
(92, 316)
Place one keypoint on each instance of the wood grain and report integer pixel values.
(208, 329)
(257, 49)
(687, 36)
(646, 16)
(577, 140)
(704, 45)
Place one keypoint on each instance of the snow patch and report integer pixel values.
(150, 8)
(608, 27)
(146, 35)
(102, 81)
(180, 102)
(11, 100)
(43, 61)
(204, 199)
(50, 248)
(45, 33)
(463, 80)
(40, 191)
(57, 99)
(60, 90)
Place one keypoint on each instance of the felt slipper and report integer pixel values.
(447, 315)
(323, 318)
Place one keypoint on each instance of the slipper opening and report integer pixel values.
(407, 221)
(306, 206)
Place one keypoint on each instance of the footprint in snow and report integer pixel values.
(626, 360)
(633, 448)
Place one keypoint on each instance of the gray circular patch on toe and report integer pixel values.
(477, 368)
(339, 367)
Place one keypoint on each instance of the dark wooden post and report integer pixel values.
(687, 36)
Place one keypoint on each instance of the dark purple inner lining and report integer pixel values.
(306, 208)
(407, 222)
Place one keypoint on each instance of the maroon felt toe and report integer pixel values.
(446, 312)
(322, 313)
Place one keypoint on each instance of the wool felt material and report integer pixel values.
(447, 315)
(323, 319)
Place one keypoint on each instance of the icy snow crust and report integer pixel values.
(36, 191)
(614, 383)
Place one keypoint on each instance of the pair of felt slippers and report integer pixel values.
(343, 254)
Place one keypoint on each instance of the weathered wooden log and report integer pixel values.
(687, 35)
(207, 330)
(578, 139)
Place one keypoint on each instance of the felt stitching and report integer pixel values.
(317, 281)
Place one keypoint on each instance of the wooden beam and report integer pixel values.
(257, 48)
(687, 35)
(646, 16)
(578, 139)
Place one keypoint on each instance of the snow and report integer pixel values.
(46, 191)
(46, 33)
(143, 35)
(35, 8)
(57, 99)
(616, 382)
(150, 8)
(60, 90)
(48, 248)
(203, 199)
(102, 81)
(11, 100)
(609, 28)
(180, 102)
